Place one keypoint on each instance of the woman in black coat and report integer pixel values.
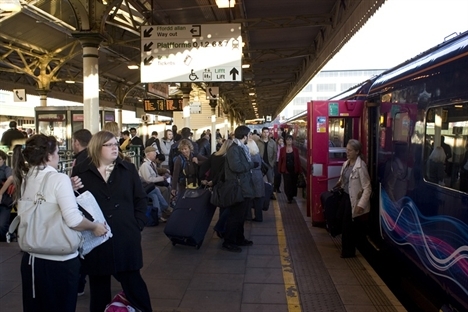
(117, 188)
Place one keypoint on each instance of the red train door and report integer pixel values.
(330, 125)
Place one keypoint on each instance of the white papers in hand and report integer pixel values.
(90, 241)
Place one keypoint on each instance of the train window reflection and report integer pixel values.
(340, 130)
(446, 146)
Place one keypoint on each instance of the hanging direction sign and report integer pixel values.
(191, 53)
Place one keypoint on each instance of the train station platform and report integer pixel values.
(292, 266)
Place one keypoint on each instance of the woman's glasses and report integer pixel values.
(111, 145)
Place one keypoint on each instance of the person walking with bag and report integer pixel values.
(238, 167)
(289, 165)
(185, 169)
(117, 188)
(355, 182)
(49, 280)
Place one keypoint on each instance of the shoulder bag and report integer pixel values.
(42, 229)
(226, 192)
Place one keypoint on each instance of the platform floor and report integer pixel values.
(292, 266)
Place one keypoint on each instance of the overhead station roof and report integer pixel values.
(286, 44)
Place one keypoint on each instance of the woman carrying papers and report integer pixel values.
(116, 187)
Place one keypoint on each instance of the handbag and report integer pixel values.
(227, 193)
(265, 167)
(301, 180)
(42, 229)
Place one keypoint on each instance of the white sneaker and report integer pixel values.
(162, 220)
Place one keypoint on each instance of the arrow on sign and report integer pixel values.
(147, 46)
(147, 32)
(234, 72)
(148, 60)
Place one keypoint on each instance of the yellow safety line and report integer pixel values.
(292, 294)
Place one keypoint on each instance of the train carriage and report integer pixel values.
(413, 123)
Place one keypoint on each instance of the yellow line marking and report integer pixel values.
(292, 294)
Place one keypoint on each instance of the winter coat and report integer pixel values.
(257, 177)
(359, 185)
(237, 166)
(272, 150)
(282, 161)
(123, 203)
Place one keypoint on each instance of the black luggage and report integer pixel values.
(191, 218)
(331, 204)
(268, 193)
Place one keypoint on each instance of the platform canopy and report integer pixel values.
(285, 43)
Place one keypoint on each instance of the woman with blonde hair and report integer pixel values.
(116, 185)
(258, 184)
(355, 182)
(211, 172)
(185, 169)
(112, 127)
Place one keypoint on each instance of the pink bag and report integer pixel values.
(119, 304)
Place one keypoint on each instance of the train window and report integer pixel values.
(340, 130)
(446, 146)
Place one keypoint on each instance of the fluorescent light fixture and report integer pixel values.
(133, 66)
(245, 65)
(223, 4)
(251, 93)
(10, 5)
(69, 81)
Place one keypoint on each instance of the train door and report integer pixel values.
(330, 125)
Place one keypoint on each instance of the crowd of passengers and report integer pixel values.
(148, 194)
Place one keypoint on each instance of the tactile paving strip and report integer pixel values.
(317, 291)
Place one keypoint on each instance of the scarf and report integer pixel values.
(244, 147)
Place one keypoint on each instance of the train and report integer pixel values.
(413, 123)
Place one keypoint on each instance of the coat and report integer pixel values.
(257, 177)
(123, 203)
(358, 181)
(272, 150)
(282, 160)
(236, 165)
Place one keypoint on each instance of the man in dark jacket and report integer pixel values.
(238, 165)
(204, 146)
(153, 140)
(11, 134)
(81, 139)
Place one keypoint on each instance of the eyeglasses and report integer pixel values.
(111, 145)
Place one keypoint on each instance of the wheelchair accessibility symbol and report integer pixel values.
(192, 76)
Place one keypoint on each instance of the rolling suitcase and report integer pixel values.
(191, 218)
(331, 202)
(268, 193)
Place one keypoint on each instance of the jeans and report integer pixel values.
(158, 201)
(5, 213)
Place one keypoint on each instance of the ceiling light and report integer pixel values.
(245, 65)
(69, 81)
(10, 5)
(223, 4)
(132, 66)
(251, 93)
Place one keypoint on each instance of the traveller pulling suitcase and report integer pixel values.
(331, 202)
(191, 218)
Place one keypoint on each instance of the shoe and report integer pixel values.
(169, 210)
(162, 220)
(219, 234)
(231, 248)
(273, 197)
(246, 242)
(256, 220)
(81, 293)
